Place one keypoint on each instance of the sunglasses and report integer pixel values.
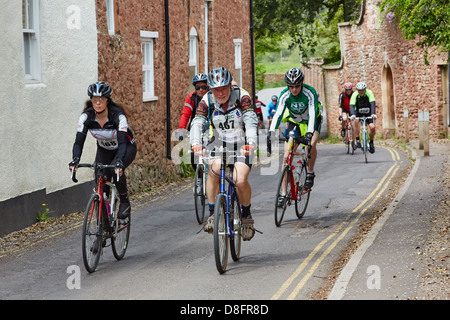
(201, 87)
(98, 99)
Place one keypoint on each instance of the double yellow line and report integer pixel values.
(340, 232)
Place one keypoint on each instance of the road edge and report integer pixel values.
(340, 285)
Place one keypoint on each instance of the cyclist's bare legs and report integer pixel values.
(243, 189)
(240, 176)
(212, 183)
(312, 160)
(371, 130)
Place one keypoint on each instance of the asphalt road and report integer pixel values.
(168, 258)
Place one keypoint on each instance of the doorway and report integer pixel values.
(387, 86)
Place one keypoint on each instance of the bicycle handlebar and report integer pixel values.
(298, 140)
(95, 166)
(363, 118)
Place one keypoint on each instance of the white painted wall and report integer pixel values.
(38, 122)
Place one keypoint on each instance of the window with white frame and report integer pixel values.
(148, 68)
(238, 60)
(31, 48)
(193, 49)
(110, 16)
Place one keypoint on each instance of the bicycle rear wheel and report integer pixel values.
(92, 234)
(220, 234)
(199, 196)
(302, 198)
(236, 239)
(119, 239)
(281, 208)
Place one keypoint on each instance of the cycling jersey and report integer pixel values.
(362, 105)
(189, 110)
(302, 108)
(271, 107)
(237, 124)
(344, 102)
(116, 134)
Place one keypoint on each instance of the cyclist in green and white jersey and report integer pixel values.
(362, 104)
(298, 105)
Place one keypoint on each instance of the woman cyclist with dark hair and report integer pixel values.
(107, 123)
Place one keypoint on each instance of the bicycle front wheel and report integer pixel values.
(236, 239)
(92, 234)
(302, 198)
(199, 194)
(121, 234)
(280, 206)
(220, 234)
(365, 143)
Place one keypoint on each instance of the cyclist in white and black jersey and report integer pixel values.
(107, 123)
(229, 110)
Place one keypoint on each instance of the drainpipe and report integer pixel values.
(168, 129)
(206, 35)
(252, 52)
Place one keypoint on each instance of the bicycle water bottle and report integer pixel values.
(292, 134)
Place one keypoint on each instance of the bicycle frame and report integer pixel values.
(231, 192)
(364, 135)
(302, 161)
(364, 125)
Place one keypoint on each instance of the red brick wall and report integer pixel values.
(120, 64)
(368, 50)
(230, 20)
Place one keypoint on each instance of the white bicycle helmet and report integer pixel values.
(219, 77)
(361, 86)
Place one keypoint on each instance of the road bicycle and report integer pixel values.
(348, 138)
(364, 135)
(293, 183)
(100, 220)
(200, 198)
(227, 214)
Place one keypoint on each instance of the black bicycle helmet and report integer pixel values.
(199, 77)
(99, 89)
(294, 76)
(219, 77)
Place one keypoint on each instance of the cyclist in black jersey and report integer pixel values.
(107, 122)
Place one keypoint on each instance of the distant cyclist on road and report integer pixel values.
(229, 110)
(298, 105)
(258, 105)
(271, 109)
(344, 108)
(107, 122)
(362, 104)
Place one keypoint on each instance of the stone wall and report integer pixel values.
(120, 64)
(393, 68)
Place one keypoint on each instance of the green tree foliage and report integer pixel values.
(306, 22)
(424, 20)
